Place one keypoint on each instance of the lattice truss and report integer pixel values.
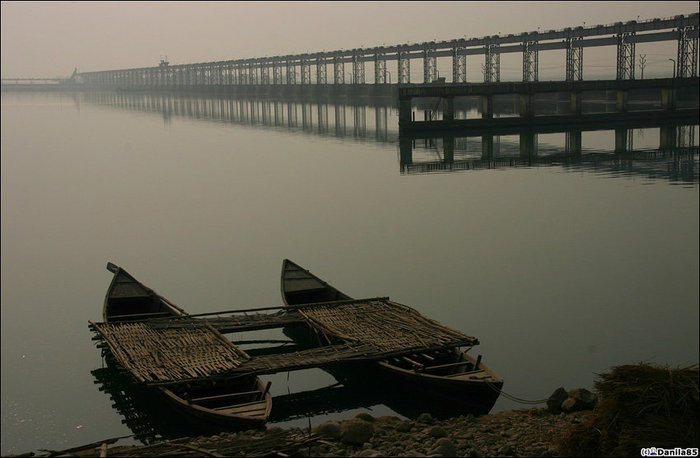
(687, 52)
(404, 67)
(338, 70)
(459, 65)
(574, 59)
(321, 72)
(379, 69)
(429, 65)
(492, 63)
(358, 69)
(625, 56)
(531, 62)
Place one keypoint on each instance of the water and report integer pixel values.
(562, 268)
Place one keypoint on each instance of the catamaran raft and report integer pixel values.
(187, 359)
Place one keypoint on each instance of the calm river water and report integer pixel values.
(562, 269)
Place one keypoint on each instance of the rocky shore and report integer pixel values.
(635, 406)
(530, 432)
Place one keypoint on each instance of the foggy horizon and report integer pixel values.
(50, 39)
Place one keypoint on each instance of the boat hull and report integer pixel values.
(471, 387)
(128, 300)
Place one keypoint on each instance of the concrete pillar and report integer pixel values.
(526, 108)
(668, 99)
(404, 112)
(405, 150)
(448, 143)
(576, 103)
(667, 138)
(486, 147)
(573, 141)
(448, 109)
(487, 106)
(620, 140)
(527, 145)
(621, 100)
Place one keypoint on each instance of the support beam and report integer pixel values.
(687, 52)
(574, 59)
(429, 65)
(625, 56)
(459, 65)
(404, 67)
(492, 63)
(530, 61)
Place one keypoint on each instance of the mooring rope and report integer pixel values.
(514, 398)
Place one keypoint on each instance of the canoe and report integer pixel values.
(245, 402)
(451, 377)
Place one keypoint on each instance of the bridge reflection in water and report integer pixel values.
(670, 150)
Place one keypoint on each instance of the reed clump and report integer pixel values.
(640, 406)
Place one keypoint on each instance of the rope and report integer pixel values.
(514, 398)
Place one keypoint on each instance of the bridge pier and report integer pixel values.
(667, 138)
(621, 140)
(621, 100)
(487, 106)
(487, 147)
(574, 141)
(528, 145)
(526, 108)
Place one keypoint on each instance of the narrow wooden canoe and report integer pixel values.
(241, 403)
(450, 376)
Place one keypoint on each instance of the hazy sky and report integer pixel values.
(47, 39)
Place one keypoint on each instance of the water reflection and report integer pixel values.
(149, 417)
(675, 159)
(653, 149)
(357, 386)
(346, 118)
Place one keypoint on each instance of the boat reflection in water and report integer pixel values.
(150, 418)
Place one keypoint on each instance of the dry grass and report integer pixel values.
(641, 406)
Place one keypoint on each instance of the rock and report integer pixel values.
(329, 430)
(569, 405)
(585, 400)
(274, 430)
(404, 427)
(444, 447)
(555, 400)
(356, 431)
(365, 416)
(506, 450)
(579, 399)
(425, 418)
(368, 452)
(437, 431)
(413, 452)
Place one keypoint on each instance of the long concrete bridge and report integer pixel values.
(349, 67)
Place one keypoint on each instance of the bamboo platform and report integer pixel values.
(189, 349)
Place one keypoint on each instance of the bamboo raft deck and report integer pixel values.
(190, 349)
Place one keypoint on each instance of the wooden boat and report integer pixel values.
(450, 376)
(244, 402)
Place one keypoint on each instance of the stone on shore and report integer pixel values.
(556, 399)
(356, 431)
(328, 430)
